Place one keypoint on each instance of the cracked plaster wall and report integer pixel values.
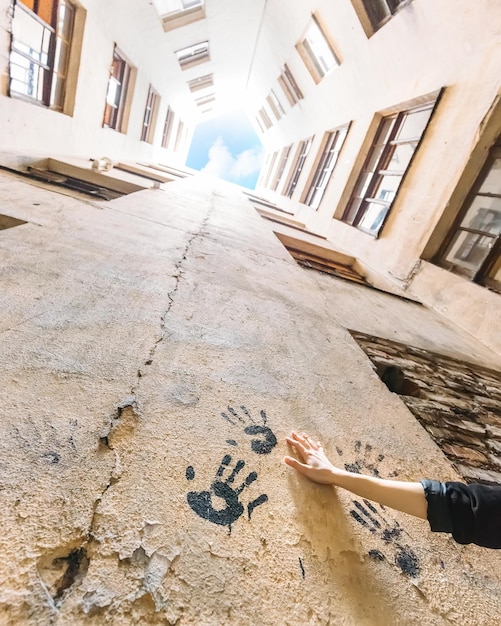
(163, 345)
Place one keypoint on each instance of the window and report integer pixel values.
(332, 144)
(210, 97)
(260, 124)
(374, 14)
(270, 169)
(291, 90)
(473, 246)
(316, 51)
(281, 166)
(150, 116)
(193, 55)
(179, 136)
(169, 121)
(176, 13)
(390, 156)
(201, 82)
(297, 168)
(275, 105)
(119, 96)
(43, 50)
(265, 117)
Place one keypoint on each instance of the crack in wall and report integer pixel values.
(177, 275)
(60, 570)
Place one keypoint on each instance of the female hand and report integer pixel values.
(313, 463)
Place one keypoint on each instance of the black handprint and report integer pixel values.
(366, 460)
(201, 501)
(368, 516)
(267, 440)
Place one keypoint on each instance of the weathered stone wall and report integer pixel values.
(459, 403)
(156, 350)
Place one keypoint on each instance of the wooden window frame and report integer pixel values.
(289, 86)
(270, 169)
(266, 118)
(193, 55)
(168, 125)
(282, 164)
(367, 12)
(298, 166)
(326, 162)
(150, 116)
(275, 105)
(116, 114)
(182, 16)
(376, 173)
(49, 72)
(179, 133)
(201, 82)
(310, 57)
(492, 261)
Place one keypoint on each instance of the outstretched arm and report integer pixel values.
(408, 497)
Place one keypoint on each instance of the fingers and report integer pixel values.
(304, 440)
(297, 465)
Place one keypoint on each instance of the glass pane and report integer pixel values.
(373, 217)
(484, 214)
(414, 124)
(372, 163)
(385, 128)
(61, 57)
(341, 136)
(387, 188)
(319, 48)
(362, 185)
(28, 35)
(401, 157)
(492, 183)
(468, 251)
(65, 20)
(113, 95)
(377, 11)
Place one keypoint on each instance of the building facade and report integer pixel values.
(159, 340)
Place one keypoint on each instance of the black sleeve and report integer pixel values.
(472, 513)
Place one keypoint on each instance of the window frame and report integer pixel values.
(367, 16)
(182, 16)
(201, 82)
(190, 59)
(289, 86)
(68, 37)
(167, 129)
(265, 118)
(119, 114)
(275, 105)
(492, 261)
(271, 167)
(379, 170)
(282, 164)
(308, 55)
(302, 152)
(150, 116)
(327, 159)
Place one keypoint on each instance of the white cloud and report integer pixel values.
(223, 164)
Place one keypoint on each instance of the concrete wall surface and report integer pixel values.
(156, 350)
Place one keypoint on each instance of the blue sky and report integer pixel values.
(227, 147)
